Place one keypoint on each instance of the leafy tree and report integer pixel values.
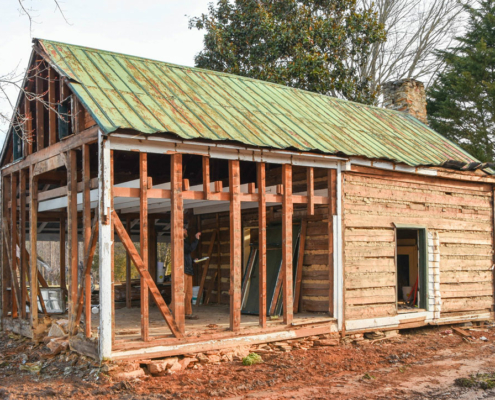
(307, 44)
(461, 103)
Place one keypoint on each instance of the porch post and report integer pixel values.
(235, 245)
(339, 297)
(262, 242)
(105, 248)
(177, 241)
(33, 230)
(143, 236)
(287, 211)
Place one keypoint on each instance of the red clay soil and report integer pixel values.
(420, 364)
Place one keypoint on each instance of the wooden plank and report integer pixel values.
(261, 178)
(206, 177)
(235, 245)
(205, 269)
(33, 223)
(22, 238)
(89, 253)
(40, 113)
(310, 182)
(86, 237)
(302, 247)
(72, 234)
(138, 262)
(63, 280)
(177, 241)
(128, 300)
(52, 115)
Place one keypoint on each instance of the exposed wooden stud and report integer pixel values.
(185, 184)
(310, 181)
(40, 113)
(331, 213)
(251, 188)
(72, 234)
(86, 236)
(22, 242)
(218, 186)
(138, 262)
(302, 244)
(112, 246)
(219, 263)
(89, 253)
(235, 245)
(52, 115)
(206, 177)
(63, 280)
(28, 127)
(261, 172)
(287, 211)
(33, 223)
(6, 295)
(143, 236)
(177, 241)
(128, 288)
(13, 237)
(16, 291)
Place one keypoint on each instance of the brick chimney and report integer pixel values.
(407, 95)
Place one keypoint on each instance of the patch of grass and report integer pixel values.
(482, 381)
(368, 376)
(252, 359)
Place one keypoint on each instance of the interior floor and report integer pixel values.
(211, 318)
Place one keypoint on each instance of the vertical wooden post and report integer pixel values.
(40, 112)
(287, 210)
(206, 177)
(22, 230)
(143, 237)
(86, 234)
(262, 241)
(219, 262)
(52, 115)
(128, 298)
(33, 230)
(235, 245)
(13, 238)
(112, 247)
(72, 233)
(28, 127)
(63, 280)
(105, 258)
(177, 236)
(6, 297)
(331, 213)
(311, 190)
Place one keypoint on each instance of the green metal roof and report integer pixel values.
(148, 96)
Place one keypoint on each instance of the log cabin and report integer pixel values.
(318, 215)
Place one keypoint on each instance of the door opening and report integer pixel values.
(412, 270)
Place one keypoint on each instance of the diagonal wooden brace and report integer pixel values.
(138, 262)
(13, 272)
(205, 268)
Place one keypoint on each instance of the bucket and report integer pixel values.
(405, 291)
(160, 272)
(195, 294)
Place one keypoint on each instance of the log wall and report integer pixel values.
(461, 214)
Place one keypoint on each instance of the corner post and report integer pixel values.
(262, 242)
(235, 245)
(33, 230)
(86, 235)
(143, 237)
(105, 248)
(72, 232)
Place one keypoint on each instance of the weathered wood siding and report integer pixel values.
(461, 213)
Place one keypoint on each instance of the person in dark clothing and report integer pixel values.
(189, 247)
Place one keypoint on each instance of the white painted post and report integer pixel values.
(338, 270)
(105, 249)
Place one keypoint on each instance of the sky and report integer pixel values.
(156, 29)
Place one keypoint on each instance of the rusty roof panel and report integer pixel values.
(126, 92)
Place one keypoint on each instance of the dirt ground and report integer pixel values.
(419, 364)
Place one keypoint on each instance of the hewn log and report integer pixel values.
(235, 245)
(261, 172)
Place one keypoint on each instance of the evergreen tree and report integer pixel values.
(314, 45)
(461, 103)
